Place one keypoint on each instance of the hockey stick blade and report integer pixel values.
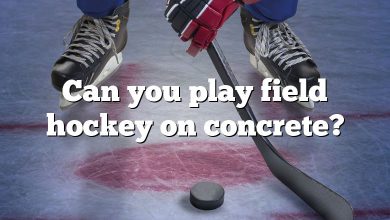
(323, 200)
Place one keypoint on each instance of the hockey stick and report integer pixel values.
(323, 200)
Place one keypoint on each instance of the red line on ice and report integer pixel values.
(18, 127)
(175, 166)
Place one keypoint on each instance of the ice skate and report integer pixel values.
(276, 52)
(94, 52)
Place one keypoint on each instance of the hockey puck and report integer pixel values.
(207, 195)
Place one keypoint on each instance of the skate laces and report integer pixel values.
(279, 43)
(94, 37)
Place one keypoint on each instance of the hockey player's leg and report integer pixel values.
(100, 8)
(95, 49)
(275, 51)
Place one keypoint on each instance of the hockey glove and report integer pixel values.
(198, 20)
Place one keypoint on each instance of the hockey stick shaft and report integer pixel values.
(323, 200)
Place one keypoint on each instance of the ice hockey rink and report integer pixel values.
(116, 178)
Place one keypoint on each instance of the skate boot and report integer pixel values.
(94, 52)
(276, 52)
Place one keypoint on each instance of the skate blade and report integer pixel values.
(309, 105)
(109, 69)
(262, 69)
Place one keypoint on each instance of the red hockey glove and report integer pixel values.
(198, 20)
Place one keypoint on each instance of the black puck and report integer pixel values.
(207, 195)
